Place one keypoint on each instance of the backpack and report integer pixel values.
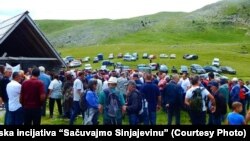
(113, 103)
(196, 101)
(83, 102)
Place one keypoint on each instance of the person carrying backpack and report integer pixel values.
(134, 102)
(195, 100)
(91, 113)
(112, 104)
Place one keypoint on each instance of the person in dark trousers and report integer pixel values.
(133, 102)
(151, 93)
(15, 108)
(3, 94)
(221, 105)
(32, 97)
(55, 94)
(199, 118)
(172, 99)
(46, 81)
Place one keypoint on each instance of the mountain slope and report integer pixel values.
(224, 22)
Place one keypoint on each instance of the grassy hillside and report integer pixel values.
(224, 22)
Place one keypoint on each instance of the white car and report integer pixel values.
(111, 56)
(129, 58)
(75, 63)
(87, 67)
(172, 56)
(216, 62)
(163, 56)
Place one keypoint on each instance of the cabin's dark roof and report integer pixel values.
(20, 37)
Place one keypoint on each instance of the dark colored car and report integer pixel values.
(107, 63)
(195, 68)
(174, 70)
(212, 69)
(100, 56)
(190, 57)
(227, 69)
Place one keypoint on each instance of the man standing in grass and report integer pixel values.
(172, 99)
(77, 94)
(198, 117)
(112, 104)
(32, 97)
(151, 93)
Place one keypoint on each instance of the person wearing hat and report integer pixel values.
(137, 81)
(111, 103)
(215, 118)
(234, 93)
(134, 102)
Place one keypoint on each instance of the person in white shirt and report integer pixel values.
(199, 118)
(77, 94)
(184, 82)
(13, 90)
(55, 94)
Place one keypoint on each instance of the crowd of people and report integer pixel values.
(113, 95)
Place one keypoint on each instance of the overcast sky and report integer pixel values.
(95, 9)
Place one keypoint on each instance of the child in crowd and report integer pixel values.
(234, 118)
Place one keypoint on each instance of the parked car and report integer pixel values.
(144, 56)
(153, 66)
(227, 69)
(95, 60)
(183, 69)
(216, 62)
(100, 56)
(163, 56)
(120, 55)
(216, 76)
(107, 63)
(151, 56)
(75, 63)
(195, 68)
(111, 56)
(86, 59)
(212, 69)
(103, 68)
(68, 59)
(143, 68)
(87, 67)
(190, 57)
(135, 54)
(118, 65)
(129, 58)
(174, 70)
(163, 68)
(126, 68)
(172, 56)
